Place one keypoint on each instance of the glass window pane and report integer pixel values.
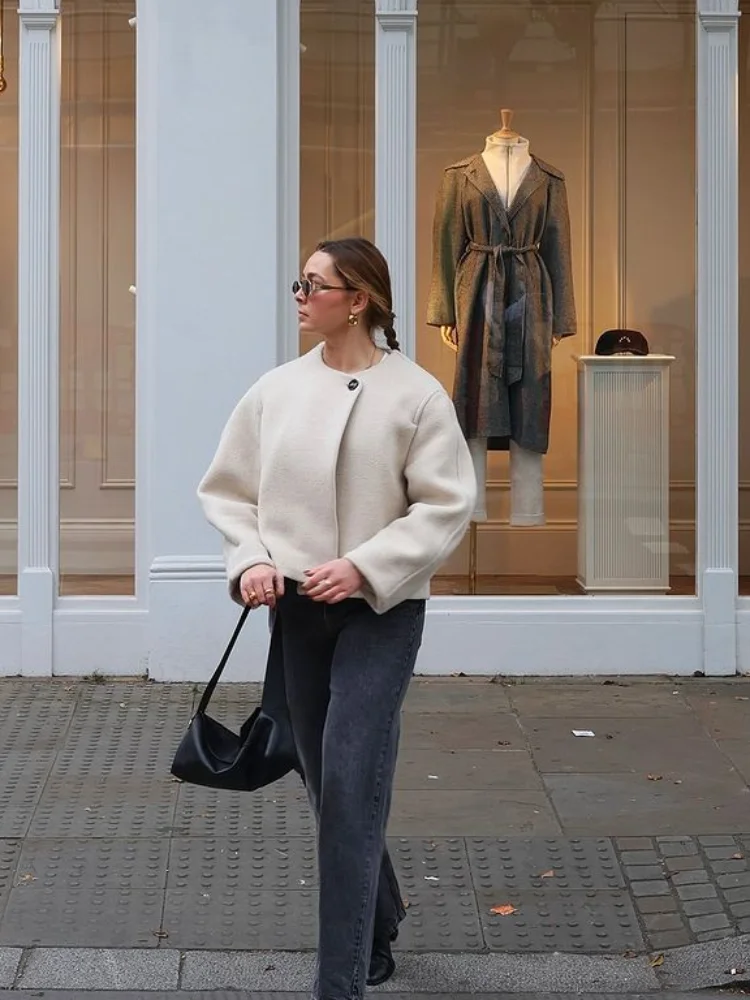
(97, 363)
(9, 304)
(337, 120)
(578, 220)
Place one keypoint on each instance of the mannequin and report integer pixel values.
(514, 173)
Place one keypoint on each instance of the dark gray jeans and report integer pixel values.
(347, 670)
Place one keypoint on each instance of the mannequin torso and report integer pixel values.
(507, 161)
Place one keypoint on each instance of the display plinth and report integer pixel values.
(623, 478)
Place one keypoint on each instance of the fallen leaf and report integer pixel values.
(549, 874)
(630, 953)
(656, 961)
(160, 934)
(654, 777)
(503, 743)
(503, 911)
(738, 857)
(25, 879)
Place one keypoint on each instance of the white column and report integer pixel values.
(396, 155)
(38, 329)
(212, 230)
(717, 355)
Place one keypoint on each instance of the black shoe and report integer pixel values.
(382, 965)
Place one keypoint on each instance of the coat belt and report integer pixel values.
(505, 326)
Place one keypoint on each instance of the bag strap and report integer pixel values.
(220, 669)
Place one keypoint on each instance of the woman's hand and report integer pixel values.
(333, 581)
(261, 584)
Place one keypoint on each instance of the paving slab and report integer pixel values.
(467, 731)
(99, 969)
(457, 813)
(707, 965)
(430, 973)
(457, 695)
(630, 804)
(466, 770)
(10, 959)
(676, 747)
(617, 699)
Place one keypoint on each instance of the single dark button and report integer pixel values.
(353, 384)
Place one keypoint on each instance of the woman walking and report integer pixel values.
(341, 483)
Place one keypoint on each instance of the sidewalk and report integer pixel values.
(531, 859)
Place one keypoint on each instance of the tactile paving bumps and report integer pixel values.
(209, 864)
(106, 807)
(586, 921)
(23, 774)
(96, 863)
(101, 893)
(544, 863)
(280, 810)
(238, 918)
(123, 729)
(82, 917)
(441, 920)
(10, 851)
(430, 863)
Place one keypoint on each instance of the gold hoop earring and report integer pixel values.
(353, 320)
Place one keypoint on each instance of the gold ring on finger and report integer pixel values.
(268, 593)
(252, 596)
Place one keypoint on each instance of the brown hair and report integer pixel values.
(362, 266)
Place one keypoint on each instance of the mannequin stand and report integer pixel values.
(473, 558)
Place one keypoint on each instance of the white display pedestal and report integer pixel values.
(623, 473)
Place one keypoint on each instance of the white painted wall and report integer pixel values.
(208, 233)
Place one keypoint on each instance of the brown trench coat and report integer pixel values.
(504, 280)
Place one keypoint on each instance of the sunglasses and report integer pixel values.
(308, 287)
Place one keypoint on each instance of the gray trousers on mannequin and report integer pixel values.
(526, 483)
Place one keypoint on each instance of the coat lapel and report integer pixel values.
(479, 176)
(533, 179)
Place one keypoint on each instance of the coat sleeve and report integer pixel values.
(441, 492)
(555, 250)
(228, 491)
(448, 243)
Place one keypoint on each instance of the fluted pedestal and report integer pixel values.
(623, 477)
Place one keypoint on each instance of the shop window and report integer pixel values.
(97, 259)
(9, 299)
(570, 215)
(337, 118)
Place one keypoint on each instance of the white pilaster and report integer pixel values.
(396, 155)
(210, 245)
(717, 354)
(38, 329)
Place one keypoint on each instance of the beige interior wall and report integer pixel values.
(97, 461)
(337, 124)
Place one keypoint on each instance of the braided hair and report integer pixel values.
(361, 265)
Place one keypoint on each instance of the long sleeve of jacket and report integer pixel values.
(555, 251)
(229, 490)
(448, 243)
(441, 490)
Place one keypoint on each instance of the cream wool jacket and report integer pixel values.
(315, 464)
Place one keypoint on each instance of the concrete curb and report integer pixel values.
(693, 967)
